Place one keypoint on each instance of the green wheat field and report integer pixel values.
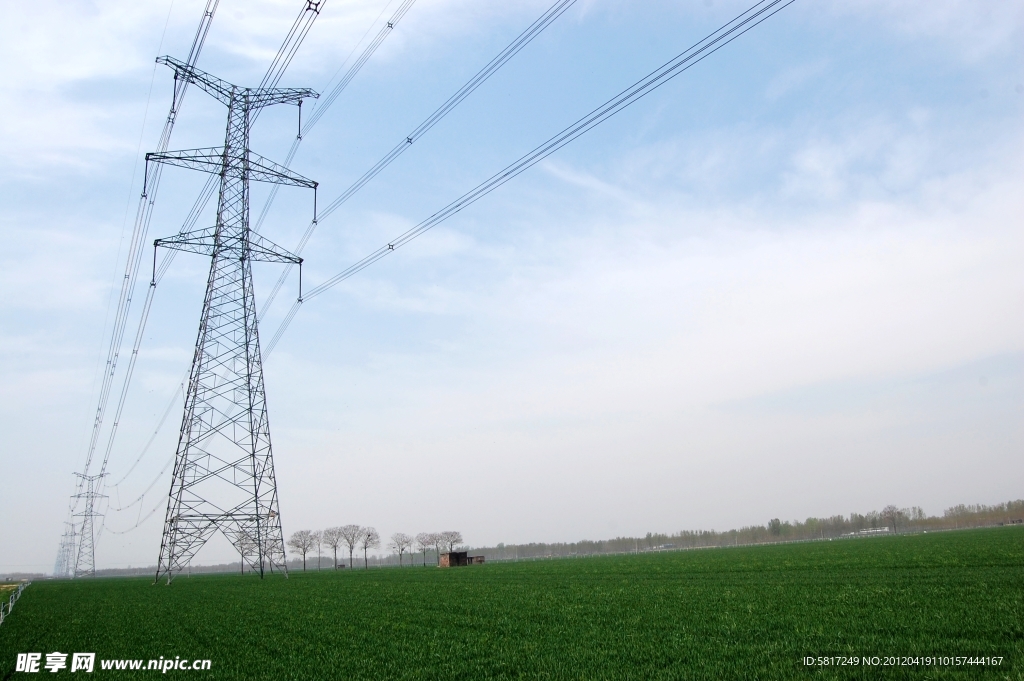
(733, 613)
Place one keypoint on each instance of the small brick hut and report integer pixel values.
(457, 558)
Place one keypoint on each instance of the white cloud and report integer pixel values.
(601, 347)
(973, 30)
(791, 79)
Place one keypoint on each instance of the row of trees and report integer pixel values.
(353, 537)
(425, 541)
(975, 515)
(896, 519)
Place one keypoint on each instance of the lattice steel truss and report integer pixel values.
(224, 468)
(85, 560)
(65, 565)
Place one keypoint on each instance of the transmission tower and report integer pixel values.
(85, 561)
(224, 469)
(65, 558)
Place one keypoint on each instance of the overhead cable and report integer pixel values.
(714, 42)
(489, 69)
(209, 189)
(142, 219)
(293, 40)
(698, 52)
(323, 103)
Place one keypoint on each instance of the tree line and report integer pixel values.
(357, 537)
(890, 519)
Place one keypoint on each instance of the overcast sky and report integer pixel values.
(786, 284)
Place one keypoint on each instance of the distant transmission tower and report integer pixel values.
(224, 469)
(85, 560)
(65, 564)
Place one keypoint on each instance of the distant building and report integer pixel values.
(457, 558)
(871, 531)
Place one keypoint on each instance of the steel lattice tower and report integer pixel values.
(224, 468)
(64, 565)
(85, 560)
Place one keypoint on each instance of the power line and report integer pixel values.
(293, 40)
(158, 273)
(698, 52)
(156, 431)
(320, 107)
(325, 102)
(64, 565)
(123, 507)
(355, 47)
(512, 49)
(524, 39)
(143, 216)
(141, 519)
(209, 189)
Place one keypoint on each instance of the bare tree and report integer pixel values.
(318, 540)
(246, 546)
(332, 540)
(438, 540)
(400, 542)
(302, 542)
(368, 539)
(350, 537)
(892, 516)
(451, 539)
(424, 541)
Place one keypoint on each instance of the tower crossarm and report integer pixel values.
(212, 160)
(204, 242)
(220, 90)
(265, 250)
(264, 170)
(209, 160)
(223, 91)
(282, 95)
(201, 241)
